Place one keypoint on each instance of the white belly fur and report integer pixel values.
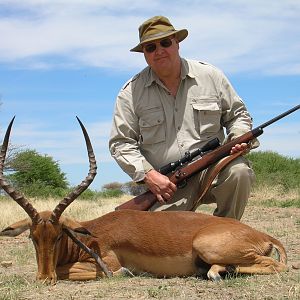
(166, 266)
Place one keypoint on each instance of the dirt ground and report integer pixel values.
(17, 273)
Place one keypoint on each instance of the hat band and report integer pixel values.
(157, 35)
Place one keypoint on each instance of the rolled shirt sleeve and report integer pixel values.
(123, 144)
(236, 117)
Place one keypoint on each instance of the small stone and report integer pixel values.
(296, 265)
(6, 264)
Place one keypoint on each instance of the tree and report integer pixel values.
(37, 175)
(133, 188)
(11, 153)
(112, 186)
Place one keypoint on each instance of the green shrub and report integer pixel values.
(41, 190)
(274, 169)
(93, 195)
(37, 175)
(282, 203)
(88, 195)
(112, 193)
(30, 167)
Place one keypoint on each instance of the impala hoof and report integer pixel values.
(126, 272)
(214, 276)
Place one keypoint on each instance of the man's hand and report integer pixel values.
(239, 147)
(160, 186)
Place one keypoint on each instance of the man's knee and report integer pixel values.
(241, 173)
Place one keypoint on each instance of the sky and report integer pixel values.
(68, 58)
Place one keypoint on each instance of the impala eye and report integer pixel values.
(59, 237)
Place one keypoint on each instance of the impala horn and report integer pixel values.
(63, 204)
(20, 199)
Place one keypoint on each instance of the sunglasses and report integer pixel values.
(165, 43)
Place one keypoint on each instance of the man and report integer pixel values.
(176, 105)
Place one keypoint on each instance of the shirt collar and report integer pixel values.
(185, 71)
(152, 77)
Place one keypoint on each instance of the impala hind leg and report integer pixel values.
(263, 265)
(213, 273)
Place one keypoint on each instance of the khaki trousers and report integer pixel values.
(230, 190)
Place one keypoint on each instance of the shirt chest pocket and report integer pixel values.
(207, 116)
(152, 126)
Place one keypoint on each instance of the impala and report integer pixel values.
(163, 244)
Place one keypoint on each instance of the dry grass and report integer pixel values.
(18, 280)
(80, 210)
(265, 193)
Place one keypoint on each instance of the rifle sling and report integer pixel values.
(212, 174)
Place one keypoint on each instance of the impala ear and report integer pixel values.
(16, 228)
(74, 226)
(81, 231)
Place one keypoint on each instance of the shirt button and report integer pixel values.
(178, 127)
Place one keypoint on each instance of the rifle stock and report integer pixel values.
(147, 199)
(140, 202)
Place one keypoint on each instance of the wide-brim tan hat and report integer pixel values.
(156, 28)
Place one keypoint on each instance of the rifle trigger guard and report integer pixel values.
(182, 184)
(179, 174)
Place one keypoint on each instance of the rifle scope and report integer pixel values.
(189, 156)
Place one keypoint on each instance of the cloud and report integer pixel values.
(65, 145)
(236, 35)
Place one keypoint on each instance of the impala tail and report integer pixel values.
(278, 252)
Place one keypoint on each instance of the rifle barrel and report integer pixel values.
(279, 117)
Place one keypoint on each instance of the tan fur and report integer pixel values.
(164, 244)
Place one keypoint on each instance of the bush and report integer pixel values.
(112, 193)
(112, 190)
(37, 175)
(133, 188)
(87, 194)
(112, 186)
(31, 167)
(272, 168)
(39, 189)
(92, 195)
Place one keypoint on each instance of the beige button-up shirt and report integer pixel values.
(151, 128)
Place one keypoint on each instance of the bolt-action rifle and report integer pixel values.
(184, 168)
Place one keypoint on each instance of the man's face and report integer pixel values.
(162, 55)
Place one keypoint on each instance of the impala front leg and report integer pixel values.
(80, 271)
